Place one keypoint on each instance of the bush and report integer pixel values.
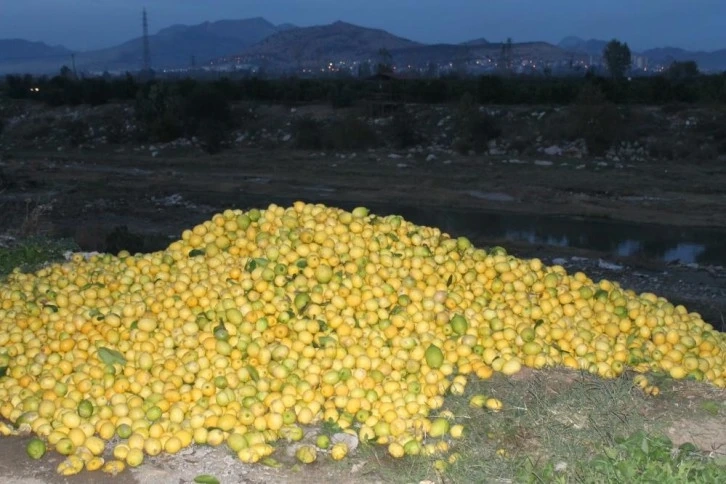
(308, 133)
(341, 97)
(474, 128)
(596, 120)
(159, 107)
(76, 132)
(403, 131)
(211, 135)
(206, 103)
(350, 134)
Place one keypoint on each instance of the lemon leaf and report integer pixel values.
(111, 357)
(206, 479)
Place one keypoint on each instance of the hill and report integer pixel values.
(707, 61)
(174, 47)
(327, 43)
(21, 50)
(18, 55)
(171, 47)
(576, 44)
(480, 41)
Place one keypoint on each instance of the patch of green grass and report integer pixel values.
(711, 407)
(31, 253)
(647, 458)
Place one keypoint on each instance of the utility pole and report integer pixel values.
(147, 52)
(73, 63)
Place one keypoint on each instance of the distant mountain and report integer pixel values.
(18, 55)
(480, 41)
(286, 26)
(323, 43)
(21, 50)
(442, 53)
(576, 44)
(171, 47)
(174, 47)
(707, 61)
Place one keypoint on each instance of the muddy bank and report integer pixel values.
(663, 222)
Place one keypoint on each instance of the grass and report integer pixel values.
(556, 426)
(31, 253)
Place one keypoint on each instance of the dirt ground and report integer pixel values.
(87, 194)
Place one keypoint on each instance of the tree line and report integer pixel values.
(679, 85)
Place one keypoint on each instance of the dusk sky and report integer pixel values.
(90, 24)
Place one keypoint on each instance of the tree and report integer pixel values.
(505, 57)
(682, 70)
(364, 70)
(66, 72)
(385, 62)
(617, 58)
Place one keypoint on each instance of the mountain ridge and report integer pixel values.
(256, 40)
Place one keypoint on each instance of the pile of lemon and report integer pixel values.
(258, 323)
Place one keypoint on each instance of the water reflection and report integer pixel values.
(660, 242)
(687, 245)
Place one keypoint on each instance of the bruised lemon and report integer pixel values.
(339, 451)
(306, 454)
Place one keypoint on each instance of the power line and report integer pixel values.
(147, 51)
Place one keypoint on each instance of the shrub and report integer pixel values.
(403, 131)
(211, 135)
(596, 120)
(474, 128)
(206, 103)
(350, 133)
(76, 132)
(308, 133)
(120, 238)
(160, 109)
(341, 97)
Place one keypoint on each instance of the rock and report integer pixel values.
(431, 157)
(491, 196)
(394, 156)
(543, 163)
(401, 165)
(558, 261)
(350, 440)
(287, 137)
(609, 265)
(447, 162)
(553, 150)
(154, 154)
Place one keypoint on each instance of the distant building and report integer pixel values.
(640, 62)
